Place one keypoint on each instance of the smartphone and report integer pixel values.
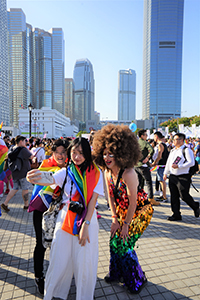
(177, 160)
(46, 177)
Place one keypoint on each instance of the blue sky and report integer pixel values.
(110, 35)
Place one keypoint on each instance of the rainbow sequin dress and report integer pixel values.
(123, 258)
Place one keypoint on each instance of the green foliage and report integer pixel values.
(172, 123)
(81, 132)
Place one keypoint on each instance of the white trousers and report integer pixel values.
(68, 258)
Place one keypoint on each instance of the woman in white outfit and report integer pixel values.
(74, 248)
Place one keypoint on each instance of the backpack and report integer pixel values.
(14, 162)
(194, 168)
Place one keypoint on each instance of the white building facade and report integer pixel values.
(46, 122)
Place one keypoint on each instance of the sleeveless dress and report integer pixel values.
(123, 258)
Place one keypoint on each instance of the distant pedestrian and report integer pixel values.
(142, 168)
(179, 179)
(20, 166)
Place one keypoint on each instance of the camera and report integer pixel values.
(76, 207)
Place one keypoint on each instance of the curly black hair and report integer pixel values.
(120, 141)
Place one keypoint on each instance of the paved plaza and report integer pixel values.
(169, 253)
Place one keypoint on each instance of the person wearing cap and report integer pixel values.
(19, 174)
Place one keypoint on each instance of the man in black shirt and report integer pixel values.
(19, 171)
(161, 162)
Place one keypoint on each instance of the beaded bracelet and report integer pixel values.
(126, 223)
(114, 216)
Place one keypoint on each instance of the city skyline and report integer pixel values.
(36, 65)
(162, 60)
(92, 29)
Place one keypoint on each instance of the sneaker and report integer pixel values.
(108, 207)
(40, 285)
(164, 200)
(157, 193)
(7, 191)
(5, 207)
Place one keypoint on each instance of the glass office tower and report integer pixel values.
(17, 63)
(69, 98)
(126, 95)
(84, 90)
(4, 75)
(42, 41)
(162, 59)
(58, 75)
(29, 63)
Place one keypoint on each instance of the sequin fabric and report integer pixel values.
(124, 265)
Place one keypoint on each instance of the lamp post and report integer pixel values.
(30, 107)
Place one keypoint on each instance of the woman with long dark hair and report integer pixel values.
(74, 248)
(40, 200)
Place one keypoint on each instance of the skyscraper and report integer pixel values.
(42, 53)
(4, 79)
(84, 90)
(58, 64)
(126, 94)
(162, 59)
(17, 62)
(69, 98)
(36, 66)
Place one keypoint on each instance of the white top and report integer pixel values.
(183, 166)
(60, 177)
(40, 153)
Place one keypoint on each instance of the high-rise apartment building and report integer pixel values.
(162, 59)
(126, 94)
(84, 90)
(4, 79)
(58, 75)
(69, 98)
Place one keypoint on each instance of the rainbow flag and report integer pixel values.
(85, 184)
(155, 168)
(1, 125)
(3, 154)
(42, 195)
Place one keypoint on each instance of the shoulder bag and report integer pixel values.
(34, 161)
(50, 217)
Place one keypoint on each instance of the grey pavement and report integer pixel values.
(169, 253)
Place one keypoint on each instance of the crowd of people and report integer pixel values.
(116, 163)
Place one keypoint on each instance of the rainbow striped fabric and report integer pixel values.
(85, 184)
(42, 195)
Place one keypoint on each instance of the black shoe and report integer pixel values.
(40, 285)
(173, 218)
(196, 212)
(109, 279)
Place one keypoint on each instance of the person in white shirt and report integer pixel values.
(179, 179)
(38, 151)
